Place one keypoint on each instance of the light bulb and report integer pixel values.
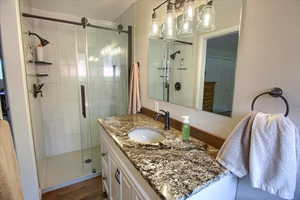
(189, 10)
(155, 29)
(169, 31)
(206, 19)
(155, 33)
(170, 20)
(186, 25)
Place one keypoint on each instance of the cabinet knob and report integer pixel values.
(103, 178)
(103, 154)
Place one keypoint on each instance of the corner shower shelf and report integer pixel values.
(40, 62)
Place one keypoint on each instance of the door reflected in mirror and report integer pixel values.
(220, 62)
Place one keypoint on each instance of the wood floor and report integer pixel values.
(87, 190)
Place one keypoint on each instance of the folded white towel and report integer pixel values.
(266, 147)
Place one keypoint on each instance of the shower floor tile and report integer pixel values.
(66, 167)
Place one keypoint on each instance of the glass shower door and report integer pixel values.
(104, 86)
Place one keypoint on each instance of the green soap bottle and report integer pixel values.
(186, 129)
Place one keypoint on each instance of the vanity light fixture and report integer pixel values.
(197, 15)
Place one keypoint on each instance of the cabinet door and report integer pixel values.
(128, 192)
(115, 184)
(126, 188)
(135, 195)
(105, 179)
(104, 152)
(105, 168)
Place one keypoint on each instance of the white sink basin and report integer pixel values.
(145, 135)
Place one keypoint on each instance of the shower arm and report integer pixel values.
(43, 41)
(31, 33)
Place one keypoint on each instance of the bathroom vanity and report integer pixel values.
(159, 167)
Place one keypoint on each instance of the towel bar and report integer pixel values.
(275, 92)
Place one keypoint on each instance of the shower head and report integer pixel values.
(173, 56)
(43, 41)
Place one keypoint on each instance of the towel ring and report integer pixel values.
(275, 92)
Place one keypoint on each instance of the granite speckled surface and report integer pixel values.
(174, 169)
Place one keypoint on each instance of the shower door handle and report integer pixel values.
(82, 93)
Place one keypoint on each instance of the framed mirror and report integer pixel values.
(198, 70)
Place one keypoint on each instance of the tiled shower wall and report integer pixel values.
(186, 77)
(64, 128)
(34, 103)
(60, 101)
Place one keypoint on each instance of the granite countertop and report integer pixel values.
(174, 169)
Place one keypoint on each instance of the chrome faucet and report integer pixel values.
(166, 116)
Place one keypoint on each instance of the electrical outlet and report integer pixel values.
(156, 105)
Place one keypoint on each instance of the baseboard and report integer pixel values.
(71, 182)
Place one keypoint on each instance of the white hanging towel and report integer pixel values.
(134, 90)
(266, 147)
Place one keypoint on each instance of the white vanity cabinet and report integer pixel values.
(122, 181)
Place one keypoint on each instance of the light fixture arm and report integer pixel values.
(36, 35)
(210, 3)
(163, 3)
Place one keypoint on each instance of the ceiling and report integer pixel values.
(96, 9)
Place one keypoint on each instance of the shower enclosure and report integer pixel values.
(85, 77)
(103, 79)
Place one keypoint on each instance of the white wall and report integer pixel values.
(268, 57)
(11, 40)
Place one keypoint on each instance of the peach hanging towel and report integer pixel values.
(10, 184)
(134, 90)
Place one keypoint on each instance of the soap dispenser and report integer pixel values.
(186, 128)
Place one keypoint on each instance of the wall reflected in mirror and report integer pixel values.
(198, 70)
